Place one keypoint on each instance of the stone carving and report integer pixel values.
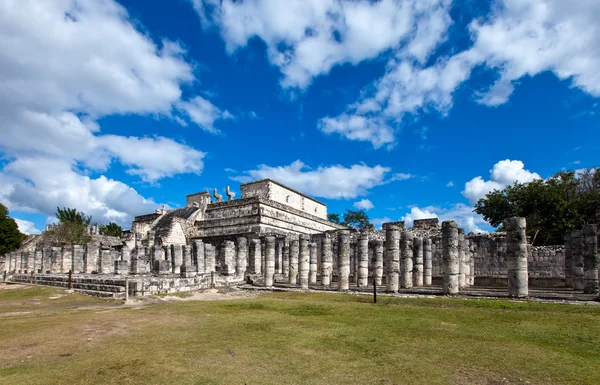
(230, 194)
(217, 196)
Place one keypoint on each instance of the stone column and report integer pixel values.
(406, 256)
(176, 258)
(362, 249)
(418, 261)
(262, 255)
(56, 266)
(66, 262)
(392, 246)
(294, 255)
(304, 261)
(450, 260)
(378, 261)
(344, 259)
(285, 262)
(198, 253)
(279, 256)
(312, 273)
(516, 257)
(209, 258)
(30, 261)
(228, 258)
(473, 251)
(90, 262)
(577, 251)
(107, 264)
(427, 262)
(590, 259)
(462, 266)
(353, 275)
(78, 252)
(269, 261)
(568, 261)
(37, 261)
(186, 255)
(241, 256)
(327, 261)
(255, 257)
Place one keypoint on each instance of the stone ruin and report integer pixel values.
(275, 236)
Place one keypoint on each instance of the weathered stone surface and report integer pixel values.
(90, 262)
(106, 262)
(162, 267)
(198, 253)
(176, 258)
(210, 254)
(255, 256)
(406, 268)
(286, 259)
(568, 261)
(417, 261)
(427, 262)
(450, 257)
(241, 256)
(327, 260)
(378, 261)
(279, 255)
(269, 261)
(122, 267)
(590, 258)
(312, 273)
(462, 260)
(392, 246)
(228, 258)
(188, 271)
(577, 251)
(294, 256)
(516, 257)
(363, 260)
(343, 259)
(304, 261)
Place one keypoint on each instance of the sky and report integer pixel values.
(408, 109)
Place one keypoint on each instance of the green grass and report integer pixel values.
(295, 338)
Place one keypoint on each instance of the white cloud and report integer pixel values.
(401, 176)
(461, 213)
(306, 39)
(504, 173)
(203, 113)
(364, 204)
(377, 222)
(64, 65)
(450, 184)
(26, 227)
(328, 182)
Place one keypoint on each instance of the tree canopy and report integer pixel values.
(72, 229)
(553, 207)
(72, 215)
(357, 219)
(332, 217)
(10, 236)
(111, 229)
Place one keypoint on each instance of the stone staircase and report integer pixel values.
(92, 285)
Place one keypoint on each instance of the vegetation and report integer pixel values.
(10, 236)
(71, 229)
(335, 218)
(295, 338)
(357, 219)
(553, 207)
(111, 229)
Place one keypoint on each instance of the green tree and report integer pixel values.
(111, 229)
(335, 218)
(10, 236)
(357, 219)
(71, 229)
(553, 207)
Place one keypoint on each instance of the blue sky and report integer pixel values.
(406, 108)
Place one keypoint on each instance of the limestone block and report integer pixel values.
(294, 256)
(269, 271)
(176, 258)
(228, 258)
(590, 259)
(363, 260)
(418, 261)
(198, 255)
(122, 267)
(241, 255)
(327, 261)
(516, 257)
(378, 262)
(427, 262)
(392, 246)
(303, 261)
(106, 262)
(56, 263)
(462, 261)
(312, 272)
(140, 266)
(90, 262)
(78, 256)
(285, 263)
(162, 267)
(188, 271)
(450, 257)
(209, 258)
(343, 259)
(406, 268)
(255, 257)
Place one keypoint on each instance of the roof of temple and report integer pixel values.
(163, 226)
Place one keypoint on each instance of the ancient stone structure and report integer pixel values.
(406, 256)
(363, 260)
(450, 257)
(377, 262)
(518, 285)
(392, 246)
(312, 273)
(270, 261)
(327, 261)
(590, 259)
(343, 260)
(417, 261)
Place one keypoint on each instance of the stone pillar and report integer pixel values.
(107, 264)
(312, 272)
(66, 262)
(285, 263)
(56, 266)
(343, 259)
(228, 257)
(326, 260)
(30, 261)
(262, 255)
(378, 261)
(279, 255)
(158, 258)
(294, 255)
(90, 262)
(362, 249)
(209, 258)
(590, 259)
(392, 246)
(473, 251)
(255, 256)
(269, 261)
(568, 261)
(37, 261)
(516, 257)
(462, 265)
(241, 256)
(78, 253)
(353, 270)
(450, 260)
(198, 253)
(418, 262)
(176, 259)
(304, 261)
(406, 268)
(577, 251)
(427, 262)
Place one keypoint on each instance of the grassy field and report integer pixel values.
(294, 338)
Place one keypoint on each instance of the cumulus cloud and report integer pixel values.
(461, 213)
(203, 113)
(417, 213)
(364, 204)
(65, 64)
(450, 184)
(26, 227)
(333, 182)
(503, 173)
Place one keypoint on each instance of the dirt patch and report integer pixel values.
(10, 314)
(13, 286)
(210, 295)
